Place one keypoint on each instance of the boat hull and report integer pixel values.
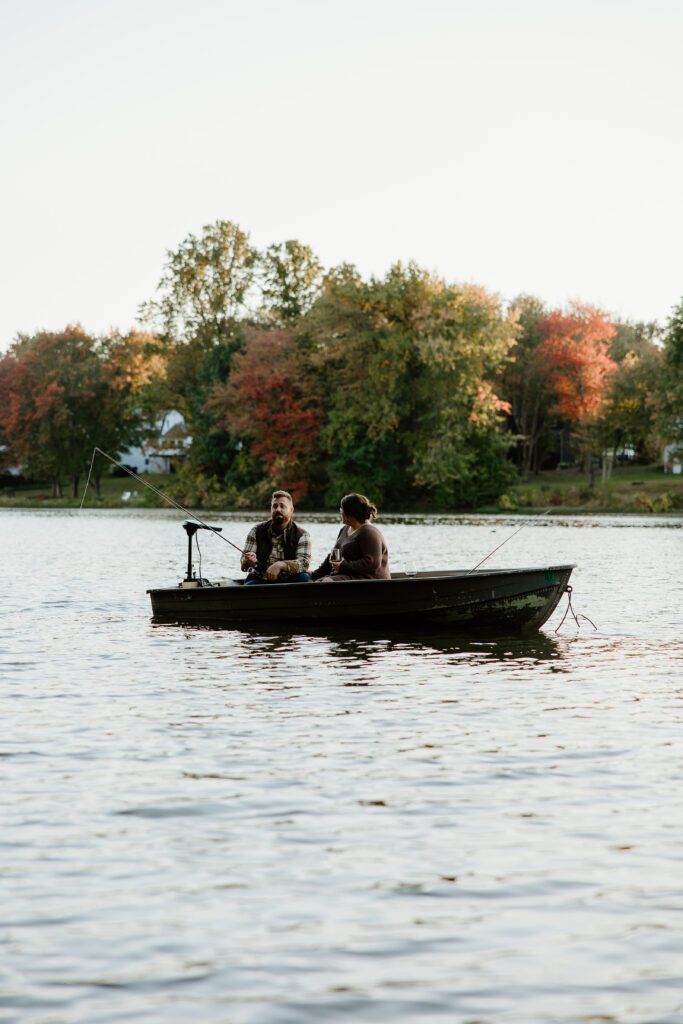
(502, 601)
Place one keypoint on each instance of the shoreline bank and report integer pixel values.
(631, 490)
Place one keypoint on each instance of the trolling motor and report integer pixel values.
(191, 528)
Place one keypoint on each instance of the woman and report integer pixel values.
(363, 551)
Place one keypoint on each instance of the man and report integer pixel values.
(279, 548)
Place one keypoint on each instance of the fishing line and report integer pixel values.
(171, 501)
(199, 553)
(505, 542)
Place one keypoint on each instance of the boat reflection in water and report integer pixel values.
(491, 615)
(367, 645)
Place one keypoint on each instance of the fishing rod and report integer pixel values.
(176, 504)
(505, 542)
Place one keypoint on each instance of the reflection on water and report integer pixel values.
(365, 644)
(219, 825)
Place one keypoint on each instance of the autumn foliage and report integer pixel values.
(412, 389)
(60, 395)
(574, 352)
(269, 402)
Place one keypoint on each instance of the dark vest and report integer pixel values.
(264, 544)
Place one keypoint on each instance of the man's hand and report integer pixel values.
(250, 558)
(274, 570)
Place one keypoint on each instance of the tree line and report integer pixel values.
(406, 387)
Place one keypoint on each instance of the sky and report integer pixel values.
(529, 147)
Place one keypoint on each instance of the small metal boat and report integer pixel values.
(492, 600)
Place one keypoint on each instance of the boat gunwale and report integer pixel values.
(423, 576)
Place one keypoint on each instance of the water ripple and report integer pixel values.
(260, 828)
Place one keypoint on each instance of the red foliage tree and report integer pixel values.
(60, 395)
(269, 401)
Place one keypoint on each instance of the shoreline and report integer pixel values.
(634, 490)
(520, 512)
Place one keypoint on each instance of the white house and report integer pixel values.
(170, 442)
(8, 470)
(673, 458)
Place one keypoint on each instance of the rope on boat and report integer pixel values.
(171, 501)
(569, 608)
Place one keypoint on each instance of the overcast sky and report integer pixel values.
(534, 146)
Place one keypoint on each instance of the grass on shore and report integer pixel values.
(631, 489)
(115, 492)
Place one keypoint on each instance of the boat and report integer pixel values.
(462, 600)
(502, 600)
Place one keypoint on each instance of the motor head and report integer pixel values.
(191, 527)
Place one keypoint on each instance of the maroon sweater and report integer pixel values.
(364, 556)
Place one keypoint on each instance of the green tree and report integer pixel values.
(406, 364)
(525, 384)
(204, 290)
(214, 446)
(638, 338)
(291, 275)
(670, 398)
(358, 337)
(459, 452)
(204, 287)
(628, 413)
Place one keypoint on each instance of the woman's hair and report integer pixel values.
(358, 507)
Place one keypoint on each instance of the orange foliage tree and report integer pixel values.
(575, 353)
(575, 350)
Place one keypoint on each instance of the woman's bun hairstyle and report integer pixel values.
(358, 507)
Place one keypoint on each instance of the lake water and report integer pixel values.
(238, 828)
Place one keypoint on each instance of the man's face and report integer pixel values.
(281, 511)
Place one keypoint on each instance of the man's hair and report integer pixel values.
(281, 494)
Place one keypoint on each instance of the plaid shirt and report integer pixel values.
(277, 554)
